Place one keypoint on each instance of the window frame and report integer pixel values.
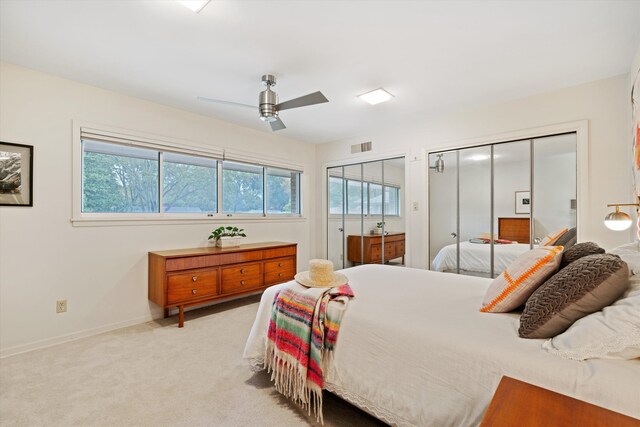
(177, 146)
(367, 206)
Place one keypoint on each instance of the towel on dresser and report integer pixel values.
(300, 341)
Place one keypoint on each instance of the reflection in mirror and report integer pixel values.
(356, 184)
(475, 211)
(394, 236)
(336, 197)
(365, 215)
(443, 211)
(554, 185)
(511, 178)
(483, 216)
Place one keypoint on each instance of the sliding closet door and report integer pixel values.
(443, 211)
(511, 201)
(554, 184)
(395, 241)
(474, 199)
(375, 224)
(336, 196)
(355, 211)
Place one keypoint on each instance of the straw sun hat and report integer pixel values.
(321, 275)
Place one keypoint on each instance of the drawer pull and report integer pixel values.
(194, 291)
(279, 274)
(242, 282)
(194, 278)
(242, 271)
(279, 264)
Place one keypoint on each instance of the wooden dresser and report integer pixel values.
(187, 277)
(393, 248)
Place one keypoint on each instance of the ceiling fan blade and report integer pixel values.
(277, 125)
(303, 101)
(219, 101)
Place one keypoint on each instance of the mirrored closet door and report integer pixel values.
(365, 218)
(491, 203)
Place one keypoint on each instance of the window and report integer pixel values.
(354, 197)
(336, 195)
(283, 187)
(242, 188)
(189, 184)
(372, 203)
(129, 177)
(118, 178)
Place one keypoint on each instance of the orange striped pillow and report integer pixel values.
(552, 238)
(516, 284)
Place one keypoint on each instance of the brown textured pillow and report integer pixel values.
(568, 239)
(578, 251)
(585, 286)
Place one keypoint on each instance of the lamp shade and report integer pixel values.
(617, 220)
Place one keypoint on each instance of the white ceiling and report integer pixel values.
(434, 56)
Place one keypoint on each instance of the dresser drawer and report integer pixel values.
(192, 285)
(238, 257)
(278, 252)
(375, 255)
(279, 270)
(188, 263)
(389, 250)
(241, 277)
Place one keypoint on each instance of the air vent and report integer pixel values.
(361, 148)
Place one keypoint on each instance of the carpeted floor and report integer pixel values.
(155, 374)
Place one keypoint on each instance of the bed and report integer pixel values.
(476, 257)
(414, 350)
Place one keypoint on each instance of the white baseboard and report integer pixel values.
(48, 342)
(155, 314)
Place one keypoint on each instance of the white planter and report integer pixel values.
(228, 242)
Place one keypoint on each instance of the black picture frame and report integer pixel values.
(523, 202)
(16, 159)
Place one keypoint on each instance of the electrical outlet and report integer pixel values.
(61, 306)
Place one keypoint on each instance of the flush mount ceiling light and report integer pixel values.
(376, 96)
(194, 5)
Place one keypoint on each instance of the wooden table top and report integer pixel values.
(516, 403)
(212, 250)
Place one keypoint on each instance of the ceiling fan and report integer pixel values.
(268, 106)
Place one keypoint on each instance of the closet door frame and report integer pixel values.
(361, 159)
(580, 128)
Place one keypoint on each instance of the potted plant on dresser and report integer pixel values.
(225, 237)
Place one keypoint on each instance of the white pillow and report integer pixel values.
(630, 253)
(612, 333)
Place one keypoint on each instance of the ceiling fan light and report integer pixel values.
(194, 5)
(376, 96)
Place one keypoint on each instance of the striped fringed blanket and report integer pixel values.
(301, 338)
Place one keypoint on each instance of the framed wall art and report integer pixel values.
(16, 174)
(523, 202)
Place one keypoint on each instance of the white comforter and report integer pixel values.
(413, 349)
(477, 257)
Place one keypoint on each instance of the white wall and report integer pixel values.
(633, 72)
(603, 103)
(102, 271)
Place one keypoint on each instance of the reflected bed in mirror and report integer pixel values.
(475, 258)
